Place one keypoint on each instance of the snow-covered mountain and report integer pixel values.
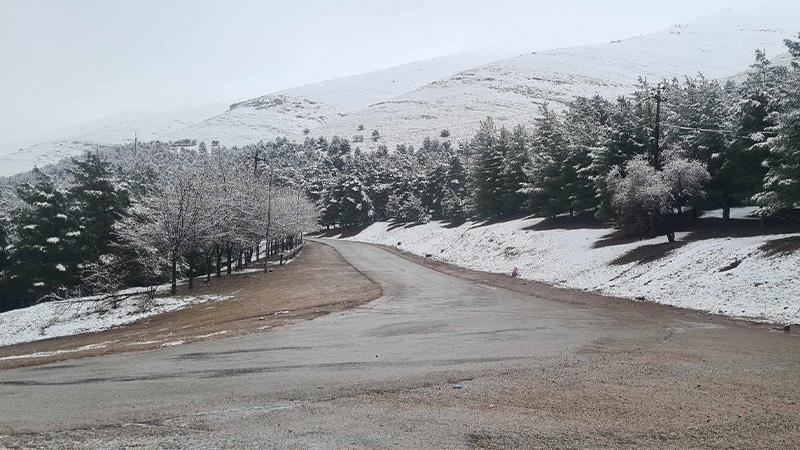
(408, 102)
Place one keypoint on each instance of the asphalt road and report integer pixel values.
(438, 361)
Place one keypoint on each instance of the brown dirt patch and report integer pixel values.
(317, 282)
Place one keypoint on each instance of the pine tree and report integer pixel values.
(762, 94)
(98, 199)
(700, 112)
(455, 195)
(586, 128)
(629, 133)
(352, 201)
(5, 257)
(551, 176)
(44, 257)
(514, 177)
(781, 190)
(487, 171)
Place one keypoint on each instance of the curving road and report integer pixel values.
(437, 361)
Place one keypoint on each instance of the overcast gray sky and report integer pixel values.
(67, 62)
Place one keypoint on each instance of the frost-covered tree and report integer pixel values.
(644, 196)
(685, 179)
(638, 194)
(166, 224)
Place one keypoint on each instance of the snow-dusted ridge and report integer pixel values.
(412, 101)
(734, 276)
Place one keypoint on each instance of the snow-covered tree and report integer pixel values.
(455, 195)
(514, 178)
(781, 187)
(44, 257)
(352, 201)
(685, 179)
(638, 193)
(558, 174)
(98, 199)
(407, 207)
(644, 196)
(167, 224)
(756, 114)
(487, 170)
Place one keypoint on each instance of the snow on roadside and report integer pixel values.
(732, 276)
(57, 352)
(65, 318)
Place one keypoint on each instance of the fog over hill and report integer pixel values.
(408, 102)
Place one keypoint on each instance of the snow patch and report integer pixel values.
(732, 276)
(85, 315)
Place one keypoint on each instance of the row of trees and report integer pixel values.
(716, 145)
(93, 228)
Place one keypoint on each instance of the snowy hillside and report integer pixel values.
(284, 113)
(407, 103)
(512, 90)
(748, 276)
(312, 107)
(21, 156)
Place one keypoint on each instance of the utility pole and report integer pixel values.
(656, 157)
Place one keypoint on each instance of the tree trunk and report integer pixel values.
(667, 223)
(208, 268)
(230, 259)
(174, 276)
(191, 270)
(219, 261)
(726, 209)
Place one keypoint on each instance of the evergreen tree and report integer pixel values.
(455, 195)
(353, 205)
(761, 95)
(553, 172)
(514, 177)
(98, 200)
(629, 133)
(44, 257)
(487, 171)
(586, 127)
(781, 190)
(699, 114)
(5, 257)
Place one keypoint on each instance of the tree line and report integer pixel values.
(95, 228)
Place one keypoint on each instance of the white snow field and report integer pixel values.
(731, 276)
(75, 316)
(412, 101)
